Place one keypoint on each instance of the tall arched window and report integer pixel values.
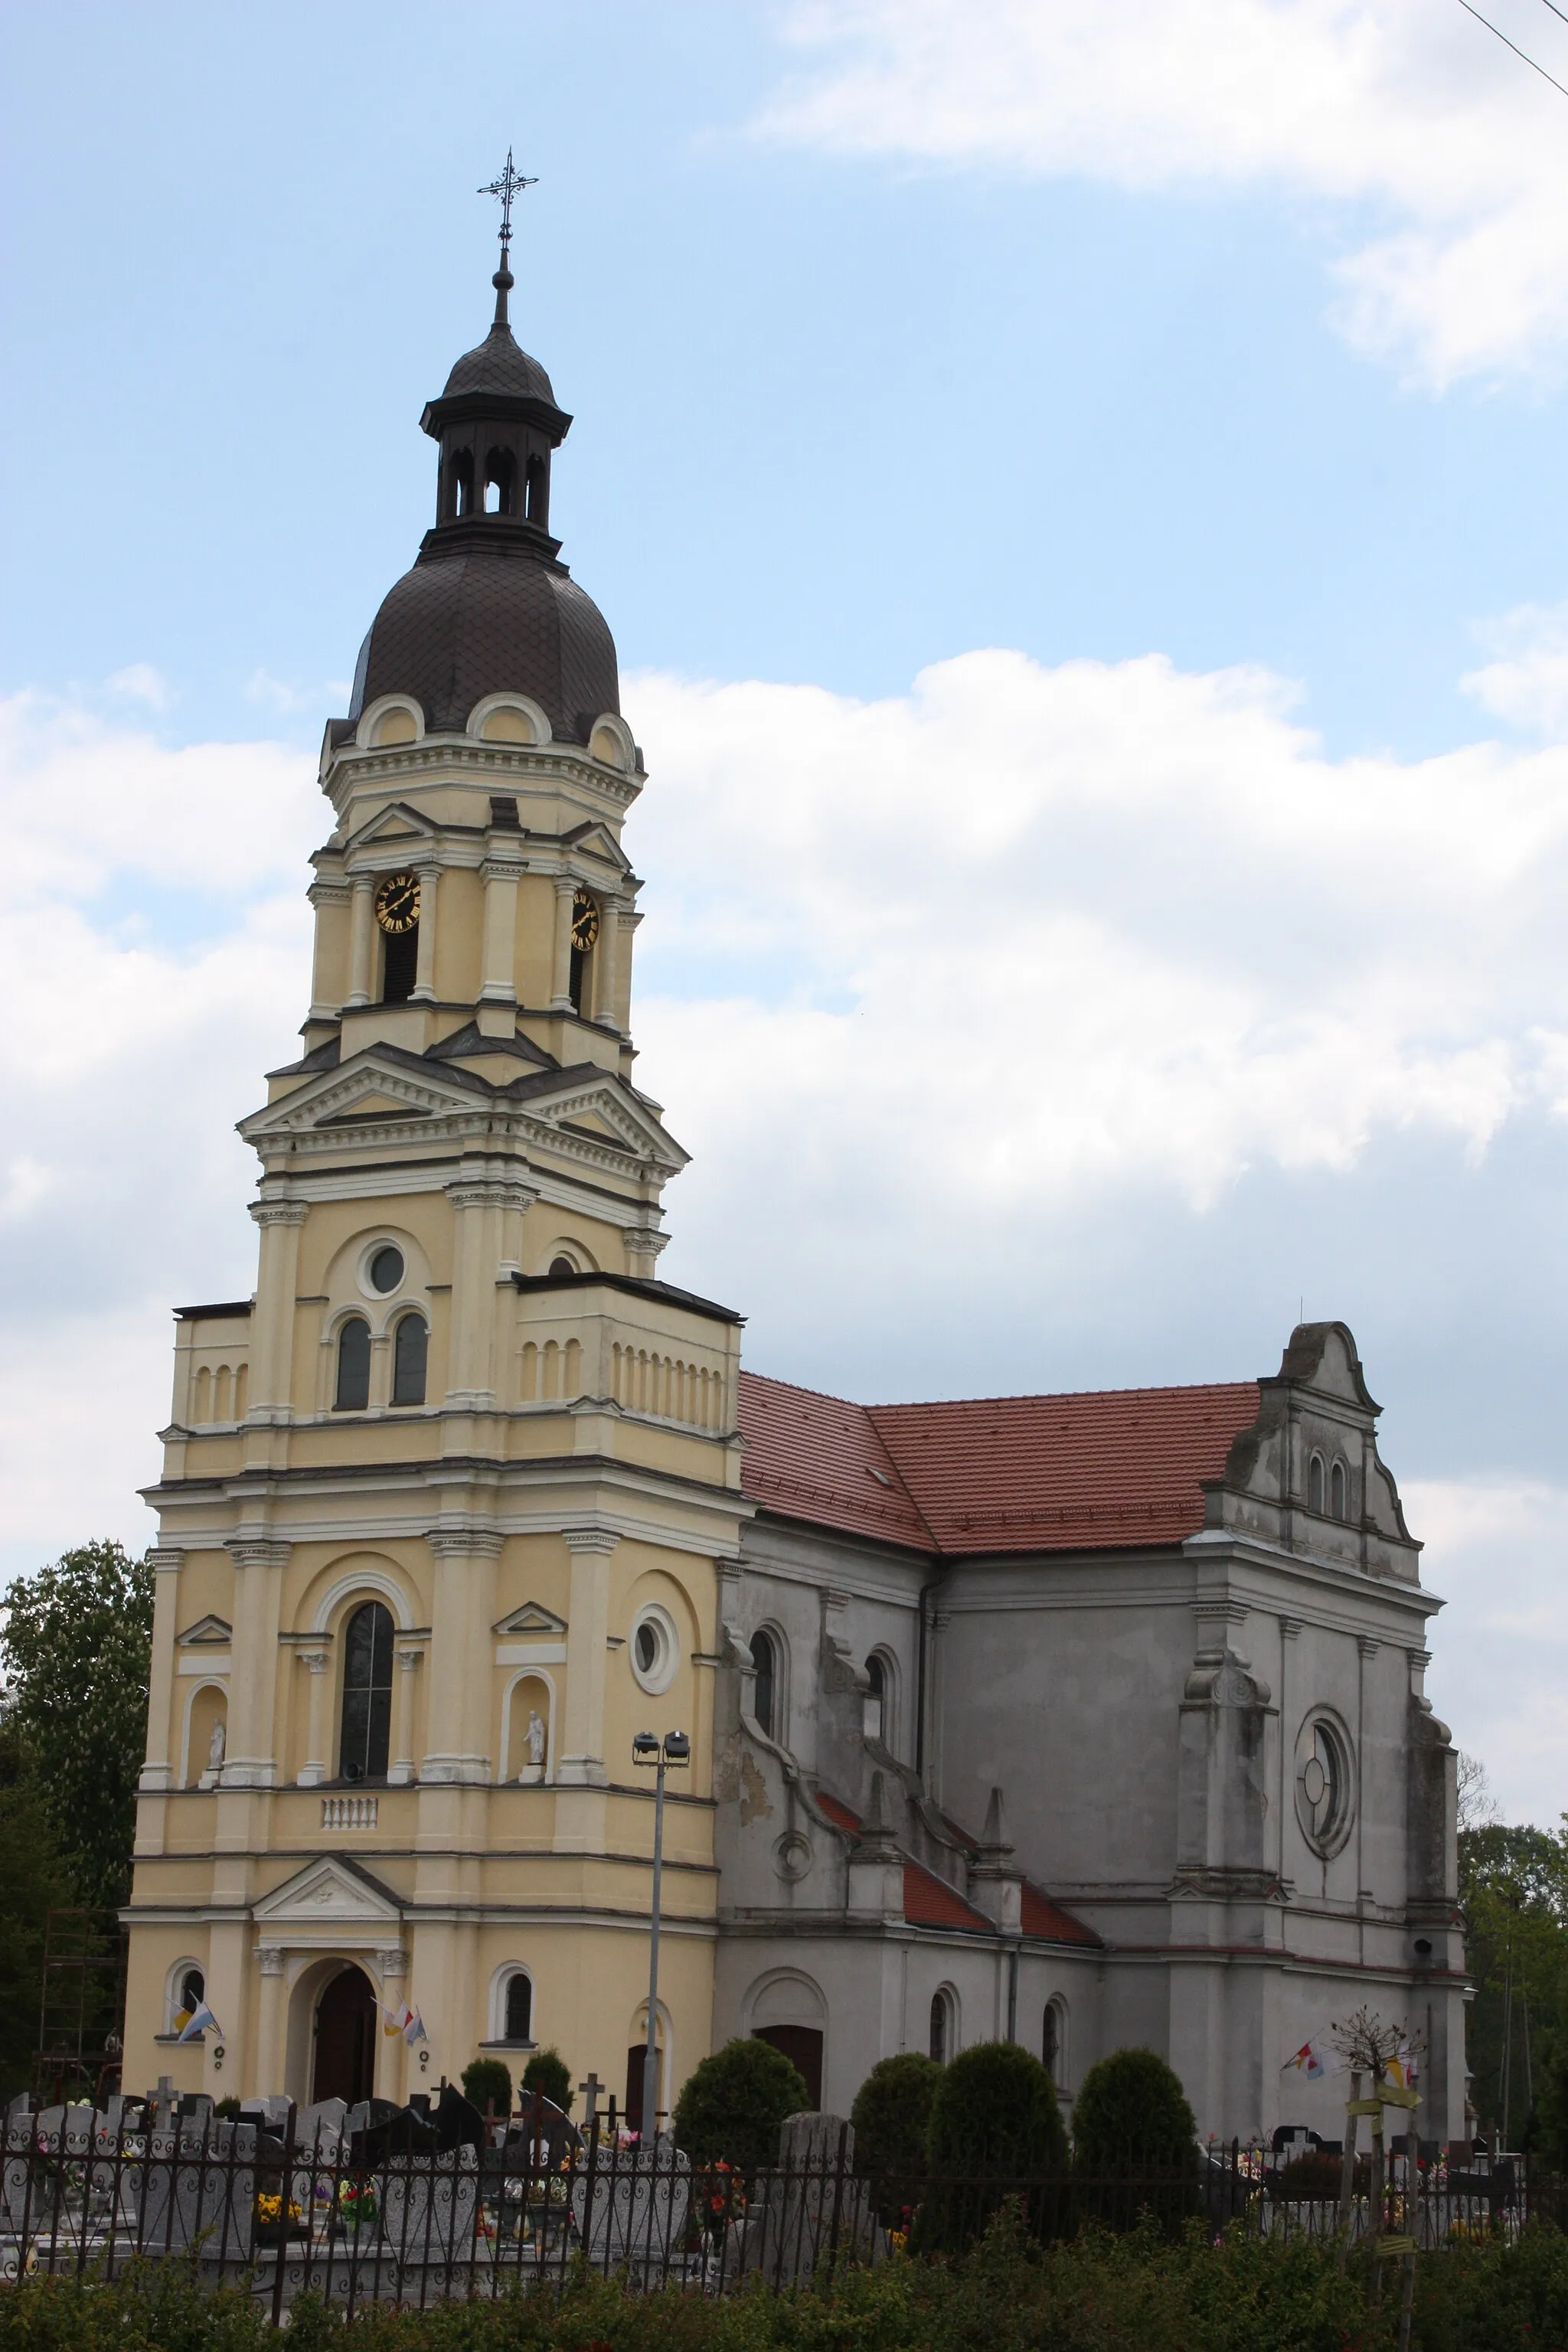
(352, 1393)
(942, 2035)
(367, 1693)
(767, 1665)
(1315, 1483)
(186, 1997)
(876, 1698)
(518, 2009)
(1053, 2041)
(460, 485)
(1337, 1492)
(500, 473)
(409, 1347)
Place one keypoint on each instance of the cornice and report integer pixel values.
(461, 759)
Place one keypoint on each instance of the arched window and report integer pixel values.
(1315, 1483)
(459, 483)
(941, 2035)
(410, 1346)
(518, 2009)
(560, 1266)
(399, 964)
(188, 1995)
(1053, 2041)
(501, 472)
(1337, 1483)
(367, 1693)
(766, 1661)
(539, 493)
(876, 1698)
(352, 1392)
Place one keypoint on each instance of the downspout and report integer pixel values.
(921, 1676)
(1012, 1992)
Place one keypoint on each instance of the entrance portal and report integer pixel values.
(345, 2039)
(801, 2045)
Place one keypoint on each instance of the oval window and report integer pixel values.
(386, 1269)
(656, 1652)
(1323, 1791)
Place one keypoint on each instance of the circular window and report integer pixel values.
(385, 1268)
(1323, 1785)
(656, 1652)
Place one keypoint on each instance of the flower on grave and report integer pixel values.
(270, 2208)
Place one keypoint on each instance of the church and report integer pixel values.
(1084, 1720)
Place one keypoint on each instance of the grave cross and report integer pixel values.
(166, 2086)
(591, 2090)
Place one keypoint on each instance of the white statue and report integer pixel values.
(215, 1748)
(535, 1737)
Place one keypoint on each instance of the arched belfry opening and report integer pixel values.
(500, 475)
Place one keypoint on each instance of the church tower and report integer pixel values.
(444, 1505)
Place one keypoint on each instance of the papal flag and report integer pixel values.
(1315, 2059)
(201, 2018)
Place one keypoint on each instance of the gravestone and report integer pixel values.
(633, 2205)
(271, 2111)
(429, 2207)
(812, 2215)
(318, 2130)
(206, 2193)
(18, 2209)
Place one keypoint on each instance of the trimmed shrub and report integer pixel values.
(548, 2074)
(994, 2122)
(733, 2103)
(1130, 2112)
(487, 2079)
(891, 2116)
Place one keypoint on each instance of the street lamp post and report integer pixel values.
(674, 1751)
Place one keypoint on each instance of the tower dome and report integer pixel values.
(488, 608)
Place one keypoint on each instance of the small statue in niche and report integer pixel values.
(535, 1735)
(215, 1747)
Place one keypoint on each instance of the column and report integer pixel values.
(400, 1770)
(272, 2022)
(390, 2050)
(313, 1770)
(499, 973)
(324, 998)
(272, 1317)
(457, 1730)
(626, 922)
(424, 989)
(482, 1205)
(253, 1681)
(360, 942)
(582, 1759)
(606, 963)
(158, 1772)
(561, 985)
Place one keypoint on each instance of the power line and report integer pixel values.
(1556, 10)
(1503, 38)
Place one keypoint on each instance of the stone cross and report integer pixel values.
(166, 2086)
(591, 2090)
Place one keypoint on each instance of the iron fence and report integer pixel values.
(383, 2213)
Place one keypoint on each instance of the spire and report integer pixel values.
(509, 183)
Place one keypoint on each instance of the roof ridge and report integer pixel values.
(1063, 1396)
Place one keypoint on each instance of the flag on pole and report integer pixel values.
(414, 2030)
(201, 2018)
(1402, 2069)
(1315, 2060)
(406, 2021)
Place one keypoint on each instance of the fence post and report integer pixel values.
(283, 2216)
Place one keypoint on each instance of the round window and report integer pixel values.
(656, 1652)
(1324, 1791)
(385, 1269)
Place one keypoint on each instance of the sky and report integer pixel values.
(1079, 497)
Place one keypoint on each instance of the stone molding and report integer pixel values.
(257, 1551)
(602, 1540)
(280, 1213)
(465, 1543)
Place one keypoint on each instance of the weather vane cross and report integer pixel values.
(511, 184)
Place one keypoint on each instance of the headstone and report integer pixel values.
(633, 2205)
(19, 2200)
(272, 2110)
(814, 2214)
(456, 2120)
(429, 2207)
(201, 2187)
(318, 2131)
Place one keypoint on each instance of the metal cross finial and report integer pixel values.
(511, 184)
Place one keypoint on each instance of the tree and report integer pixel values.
(1513, 1885)
(891, 2116)
(1131, 2111)
(733, 2103)
(485, 2079)
(32, 1880)
(78, 1642)
(548, 2074)
(995, 2123)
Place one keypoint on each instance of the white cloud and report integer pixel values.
(140, 682)
(1445, 149)
(1527, 684)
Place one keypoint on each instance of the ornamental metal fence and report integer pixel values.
(404, 2207)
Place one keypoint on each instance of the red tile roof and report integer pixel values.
(1050, 1923)
(929, 1902)
(1096, 1471)
(836, 1812)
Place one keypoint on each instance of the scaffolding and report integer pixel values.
(82, 2010)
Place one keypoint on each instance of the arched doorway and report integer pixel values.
(345, 2039)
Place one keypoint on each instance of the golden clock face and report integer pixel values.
(397, 902)
(585, 922)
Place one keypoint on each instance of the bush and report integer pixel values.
(891, 2116)
(548, 2074)
(994, 2120)
(1132, 2112)
(733, 2103)
(487, 2079)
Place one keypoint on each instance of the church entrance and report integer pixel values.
(801, 2045)
(345, 2039)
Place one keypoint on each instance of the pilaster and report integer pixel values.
(272, 1322)
(581, 1763)
(463, 1586)
(258, 1564)
(158, 1772)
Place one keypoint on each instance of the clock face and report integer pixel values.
(397, 902)
(585, 922)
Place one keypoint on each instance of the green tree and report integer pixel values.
(489, 2078)
(76, 1643)
(548, 2074)
(891, 2116)
(1130, 2110)
(32, 1879)
(995, 2123)
(1513, 1886)
(733, 2103)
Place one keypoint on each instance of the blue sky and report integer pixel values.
(1082, 512)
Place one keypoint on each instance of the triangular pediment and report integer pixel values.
(380, 1081)
(373, 1105)
(329, 1893)
(207, 1633)
(390, 825)
(598, 841)
(589, 1106)
(531, 1618)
